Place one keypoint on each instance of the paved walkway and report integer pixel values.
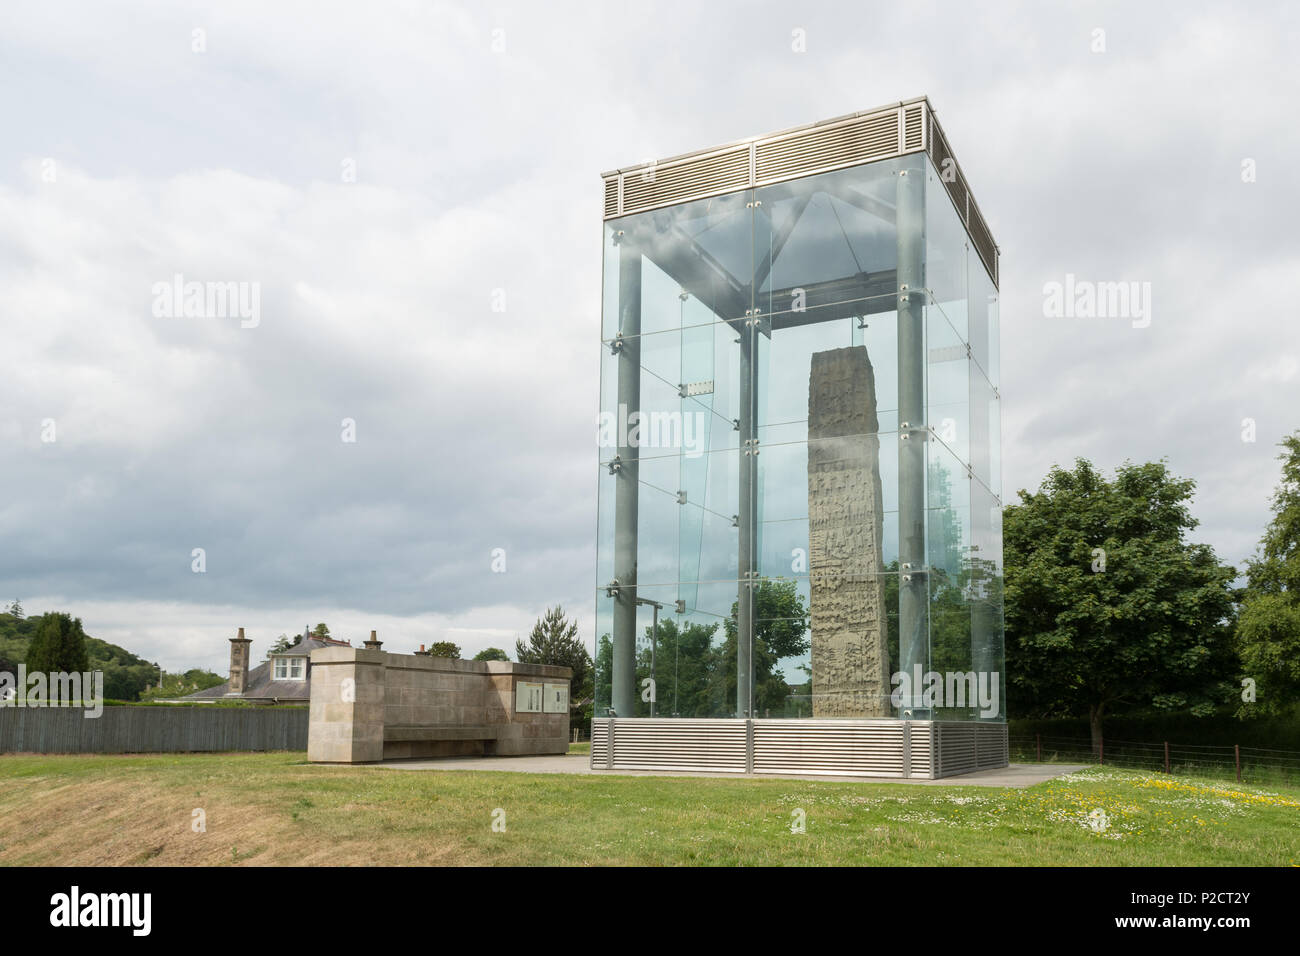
(1017, 775)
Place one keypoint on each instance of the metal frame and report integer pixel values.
(909, 126)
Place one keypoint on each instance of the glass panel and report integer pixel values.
(828, 244)
(983, 317)
(985, 424)
(702, 248)
(947, 386)
(604, 656)
(946, 248)
(948, 513)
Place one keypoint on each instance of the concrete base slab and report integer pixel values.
(1016, 775)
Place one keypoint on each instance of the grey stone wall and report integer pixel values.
(369, 705)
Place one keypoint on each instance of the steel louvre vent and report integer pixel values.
(983, 241)
(956, 748)
(806, 746)
(611, 197)
(656, 185)
(949, 174)
(833, 748)
(914, 127)
(922, 750)
(599, 743)
(645, 743)
(874, 137)
(992, 746)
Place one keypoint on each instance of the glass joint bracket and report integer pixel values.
(907, 571)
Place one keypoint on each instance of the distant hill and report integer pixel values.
(126, 675)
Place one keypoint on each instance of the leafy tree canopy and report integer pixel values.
(1268, 628)
(58, 646)
(282, 644)
(1108, 606)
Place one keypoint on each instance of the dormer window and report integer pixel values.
(290, 668)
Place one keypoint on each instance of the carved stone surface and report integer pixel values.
(850, 649)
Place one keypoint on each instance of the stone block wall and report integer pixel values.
(369, 705)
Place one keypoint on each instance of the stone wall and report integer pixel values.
(369, 705)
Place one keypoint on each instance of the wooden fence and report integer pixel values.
(60, 730)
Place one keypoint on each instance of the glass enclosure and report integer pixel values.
(799, 476)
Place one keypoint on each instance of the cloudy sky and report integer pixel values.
(381, 168)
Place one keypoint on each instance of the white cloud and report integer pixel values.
(477, 171)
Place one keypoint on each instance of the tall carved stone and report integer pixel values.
(850, 650)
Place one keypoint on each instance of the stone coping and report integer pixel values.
(423, 662)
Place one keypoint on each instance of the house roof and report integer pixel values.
(259, 684)
(309, 643)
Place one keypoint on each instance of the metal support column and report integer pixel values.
(626, 489)
(748, 520)
(913, 591)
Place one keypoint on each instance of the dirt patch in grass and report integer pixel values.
(150, 819)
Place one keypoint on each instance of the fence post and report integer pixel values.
(1038, 743)
(1236, 752)
(1101, 750)
(1166, 756)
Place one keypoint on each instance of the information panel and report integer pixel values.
(557, 699)
(528, 697)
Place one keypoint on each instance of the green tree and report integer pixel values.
(282, 644)
(492, 654)
(16, 609)
(1108, 606)
(59, 645)
(125, 674)
(445, 649)
(322, 630)
(554, 640)
(780, 631)
(685, 662)
(1268, 627)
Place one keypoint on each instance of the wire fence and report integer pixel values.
(1255, 765)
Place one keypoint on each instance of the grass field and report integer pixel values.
(277, 809)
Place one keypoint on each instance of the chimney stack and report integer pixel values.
(374, 643)
(238, 664)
